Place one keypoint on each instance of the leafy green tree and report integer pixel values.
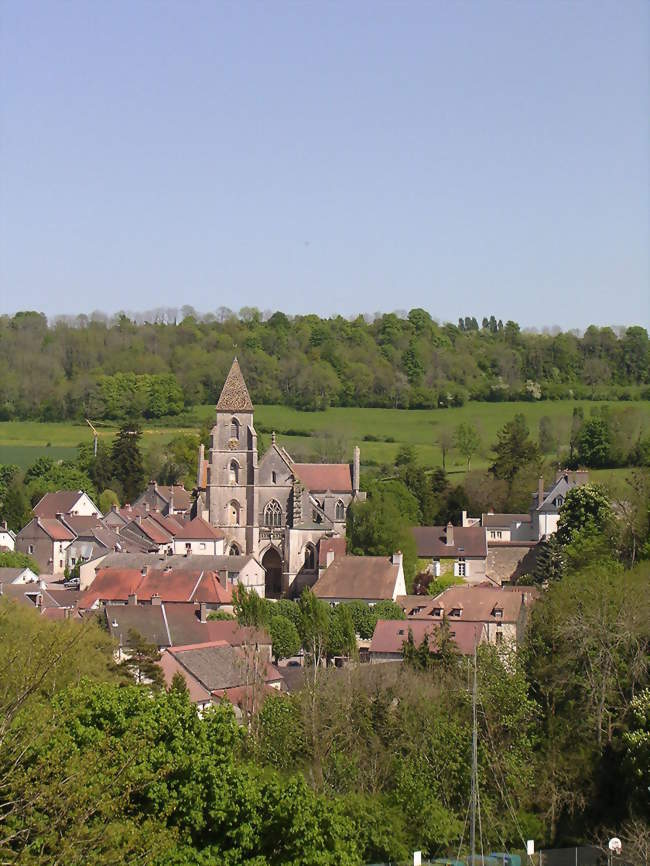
(636, 752)
(585, 507)
(341, 637)
(250, 609)
(514, 447)
(363, 618)
(15, 559)
(388, 609)
(126, 456)
(467, 441)
(16, 509)
(378, 528)
(594, 443)
(141, 660)
(285, 640)
(107, 499)
(546, 437)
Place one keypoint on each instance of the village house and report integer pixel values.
(46, 539)
(197, 538)
(66, 502)
(367, 578)
(389, 636)
(7, 537)
(91, 545)
(19, 575)
(168, 500)
(215, 671)
(457, 550)
(274, 509)
(546, 504)
(501, 612)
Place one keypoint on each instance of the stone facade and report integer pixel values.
(272, 508)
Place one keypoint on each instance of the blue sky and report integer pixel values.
(333, 157)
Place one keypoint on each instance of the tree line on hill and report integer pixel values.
(159, 364)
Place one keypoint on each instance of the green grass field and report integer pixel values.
(334, 431)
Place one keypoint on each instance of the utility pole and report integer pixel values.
(472, 826)
(94, 435)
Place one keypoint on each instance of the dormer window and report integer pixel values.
(456, 611)
(498, 612)
(558, 501)
(437, 611)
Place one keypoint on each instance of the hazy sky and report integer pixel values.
(467, 157)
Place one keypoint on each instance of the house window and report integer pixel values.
(310, 557)
(340, 510)
(232, 577)
(558, 501)
(233, 513)
(498, 613)
(202, 545)
(455, 611)
(233, 472)
(60, 563)
(30, 548)
(499, 637)
(460, 567)
(188, 547)
(234, 429)
(436, 568)
(437, 611)
(272, 513)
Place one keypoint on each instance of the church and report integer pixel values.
(274, 508)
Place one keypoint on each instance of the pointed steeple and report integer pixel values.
(234, 394)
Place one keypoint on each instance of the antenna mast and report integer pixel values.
(472, 826)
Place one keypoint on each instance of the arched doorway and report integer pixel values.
(272, 562)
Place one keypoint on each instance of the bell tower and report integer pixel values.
(232, 467)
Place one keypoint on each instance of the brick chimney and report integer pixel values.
(397, 558)
(133, 598)
(156, 600)
(449, 538)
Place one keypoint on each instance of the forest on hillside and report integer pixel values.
(162, 363)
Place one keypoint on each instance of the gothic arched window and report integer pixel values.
(233, 472)
(233, 551)
(272, 514)
(233, 513)
(234, 429)
(310, 557)
(340, 510)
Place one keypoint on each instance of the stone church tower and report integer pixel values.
(277, 511)
(232, 466)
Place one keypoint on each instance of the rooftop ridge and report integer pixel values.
(234, 394)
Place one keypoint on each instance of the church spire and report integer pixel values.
(234, 394)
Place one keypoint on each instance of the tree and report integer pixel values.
(467, 441)
(141, 660)
(445, 441)
(107, 499)
(585, 507)
(341, 636)
(547, 438)
(593, 442)
(16, 510)
(513, 448)
(364, 618)
(126, 456)
(15, 559)
(387, 609)
(250, 608)
(636, 745)
(285, 640)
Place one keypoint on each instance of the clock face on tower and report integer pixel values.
(233, 444)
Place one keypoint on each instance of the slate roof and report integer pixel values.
(234, 394)
(468, 541)
(151, 529)
(80, 523)
(182, 497)
(60, 502)
(148, 620)
(217, 666)
(8, 575)
(498, 521)
(198, 529)
(170, 666)
(320, 477)
(364, 577)
(390, 634)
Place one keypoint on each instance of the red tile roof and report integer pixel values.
(172, 585)
(60, 502)
(55, 529)
(199, 529)
(336, 477)
(337, 546)
(111, 584)
(390, 634)
(478, 603)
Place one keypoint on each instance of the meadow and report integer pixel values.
(330, 434)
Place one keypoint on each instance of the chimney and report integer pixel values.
(203, 612)
(133, 598)
(464, 518)
(449, 540)
(540, 491)
(329, 558)
(356, 469)
(156, 600)
(397, 558)
(147, 507)
(138, 519)
(59, 515)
